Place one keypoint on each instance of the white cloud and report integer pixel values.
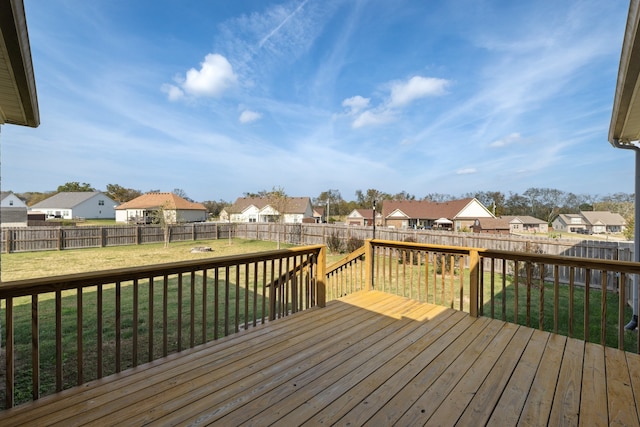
(403, 93)
(173, 92)
(507, 140)
(214, 77)
(248, 116)
(369, 118)
(466, 171)
(356, 103)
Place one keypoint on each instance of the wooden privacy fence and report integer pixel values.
(29, 239)
(325, 234)
(347, 237)
(62, 331)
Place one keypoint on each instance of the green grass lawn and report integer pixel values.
(28, 265)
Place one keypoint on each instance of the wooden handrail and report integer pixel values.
(226, 285)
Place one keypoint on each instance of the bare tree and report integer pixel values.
(278, 200)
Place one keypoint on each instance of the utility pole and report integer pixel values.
(374, 219)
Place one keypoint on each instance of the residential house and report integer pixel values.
(13, 211)
(363, 217)
(77, 204)
(455, 214)
(491, 225)
(143, 209)
(572, 223)
(260, 209)
(526, 224)
(318, 215)
(600, 222)
(590, 222)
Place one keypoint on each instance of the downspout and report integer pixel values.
(636, 228)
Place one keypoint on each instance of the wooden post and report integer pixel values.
(474, 264)
(321, 277)
(59, 238)
(368, 265)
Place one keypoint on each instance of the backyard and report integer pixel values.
(405, 272)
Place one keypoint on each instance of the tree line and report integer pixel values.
(542, 203)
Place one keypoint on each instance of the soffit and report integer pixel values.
(18, 99)
(625, 119)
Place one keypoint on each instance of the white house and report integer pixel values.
(526, 224)
(13, 211)
(77, 204)
(363, 217)
(259, 209)
(176, 209)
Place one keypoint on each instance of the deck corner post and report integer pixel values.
(474, 263)
(368, 260)
(322, 277)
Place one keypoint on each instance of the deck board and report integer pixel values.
(367, 359)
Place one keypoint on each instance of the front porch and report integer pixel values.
(367, 358)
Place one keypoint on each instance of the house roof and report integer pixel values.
(295, 205)
(164, 200)
(18, 98)
(566, 218)
(67, 199)
(625, 118)
(363, 213)
(424, 209)
(525, 219)
(603, 217)
(493, 223)
(5, 194)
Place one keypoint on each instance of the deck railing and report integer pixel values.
(518, 287)
(63, 331)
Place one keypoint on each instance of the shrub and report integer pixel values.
(334, 242)
(354, 243)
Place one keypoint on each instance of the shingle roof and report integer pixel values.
(525, 219)
(164, 200)
(493, 223)
(424, 209)
(603, 217)
(294, 204)
(66, 199)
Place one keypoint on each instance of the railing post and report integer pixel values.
(321, 277)
(368, 265)
(474, 264)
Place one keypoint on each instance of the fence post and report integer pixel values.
(60, 238)
(368, 265)
(474, 272)
(8, 241)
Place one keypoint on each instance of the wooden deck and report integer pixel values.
(367, 359)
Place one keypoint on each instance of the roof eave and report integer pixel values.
(16, 67)
(625, 118)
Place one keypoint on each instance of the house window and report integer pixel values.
(10, 202)
(100, 202)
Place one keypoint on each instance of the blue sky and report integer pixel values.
(219, 98)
